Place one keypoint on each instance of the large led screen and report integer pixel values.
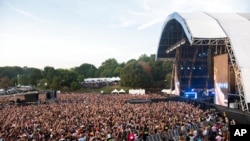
(221, 79)
(176, 81)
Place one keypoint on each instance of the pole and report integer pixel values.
(17, 79)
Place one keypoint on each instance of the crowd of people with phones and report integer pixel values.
(96, 117)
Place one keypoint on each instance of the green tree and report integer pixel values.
(24, 80)
(168, 80)
(67, 77)
(35, 76)
(86, 70)
(48, 74)
(117, 71)
(5, 82)
(144, 58)
(10, 72)
(168, 66)
(141, 73)
(74, 86)
(42, 83)
(107, 69)
(133, 75)
(56, 83)
(80, 78)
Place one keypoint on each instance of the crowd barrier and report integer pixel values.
(174, 134)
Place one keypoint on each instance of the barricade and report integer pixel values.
(150, 138)
(174, 134)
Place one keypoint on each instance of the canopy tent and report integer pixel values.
(115, 79)
(122, 91)
(104, 79)
(137, 91)
(115, 91)
(168, 91)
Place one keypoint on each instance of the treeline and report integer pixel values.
(144, 72)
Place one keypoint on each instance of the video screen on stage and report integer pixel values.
(176, 82)
(221, 79)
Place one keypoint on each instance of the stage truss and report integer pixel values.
(238, 78)
(219, 46)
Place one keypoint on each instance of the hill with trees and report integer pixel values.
(145, 72)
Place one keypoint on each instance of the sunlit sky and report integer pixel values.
(68, 33)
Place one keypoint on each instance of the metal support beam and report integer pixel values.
(238, 77)
(172, 77)
(176, 45)
(193, 61)
(208, 42)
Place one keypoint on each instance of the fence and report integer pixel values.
(173, 134)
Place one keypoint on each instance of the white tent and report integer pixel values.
(115, 79)
(137, 91)
(122, 91)
(168, 91)
(115, 91)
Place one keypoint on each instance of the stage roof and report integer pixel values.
(211, 26)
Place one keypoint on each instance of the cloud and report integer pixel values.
(145, 15)
(149, 24)
(21, 11)
(124, 22)
(25, 13)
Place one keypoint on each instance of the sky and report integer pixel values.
(67, 33)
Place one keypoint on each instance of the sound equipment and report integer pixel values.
(31, 97)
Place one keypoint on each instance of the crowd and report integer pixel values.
(95, 117)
